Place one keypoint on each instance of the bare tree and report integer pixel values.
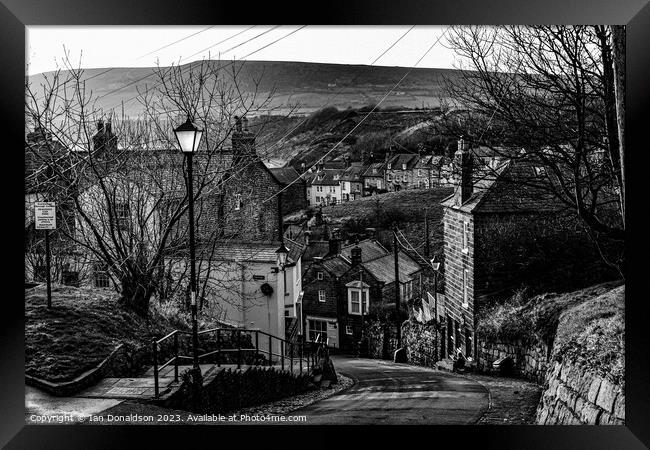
(123, 180)
(547, 90)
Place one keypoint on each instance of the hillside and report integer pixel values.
(311, 86)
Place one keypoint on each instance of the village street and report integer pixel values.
(390, 393)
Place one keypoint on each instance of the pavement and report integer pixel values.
(393, 393)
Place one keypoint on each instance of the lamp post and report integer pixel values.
(436, 267)
(188, 137)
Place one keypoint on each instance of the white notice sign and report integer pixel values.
(45, 215)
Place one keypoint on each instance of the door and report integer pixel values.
(333, 334)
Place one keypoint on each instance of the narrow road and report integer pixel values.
(390, 393)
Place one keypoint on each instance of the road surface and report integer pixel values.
(390, 393)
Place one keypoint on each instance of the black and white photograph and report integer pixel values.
(325, 225)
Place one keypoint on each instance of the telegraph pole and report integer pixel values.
(397, 287)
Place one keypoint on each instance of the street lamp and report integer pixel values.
(281, 254)
(188, 137)
(436, 267)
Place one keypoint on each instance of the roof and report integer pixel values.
(501, 189)
(240, 251)
(370, 249)
(397, 161)
(284, 175)
(336, 265)
(353, 173)
(327, 178)
(375, 166)
(316, 249)
(383, 269)
(296, 249)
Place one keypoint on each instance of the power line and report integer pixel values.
(331, 97)
(364, 118)
(189, 67)
(176, 42)
(225, 40)
(153, 73)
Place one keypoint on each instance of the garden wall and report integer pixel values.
(530, 360)
(577, 395)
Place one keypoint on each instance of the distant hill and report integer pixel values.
(309, 86)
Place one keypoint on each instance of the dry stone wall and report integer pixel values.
(530, 360)
(577, 395)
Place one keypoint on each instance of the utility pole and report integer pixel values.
(397, 288)
(427, 250)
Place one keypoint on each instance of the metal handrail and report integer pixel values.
(285, 345)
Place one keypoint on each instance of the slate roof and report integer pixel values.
(353, 173)
(398, 160)
(284, 175)
(238, 251)
(502, 190)
(336, 265)
(370, 249)
(378, 166)
(383, 269)
(326, 178)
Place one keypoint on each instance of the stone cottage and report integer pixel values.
(503, 232)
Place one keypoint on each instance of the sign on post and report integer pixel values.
(45, 215)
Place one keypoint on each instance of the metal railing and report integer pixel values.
(304, 355)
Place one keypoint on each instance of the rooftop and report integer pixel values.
(383, 269)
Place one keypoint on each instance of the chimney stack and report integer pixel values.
(100, 126)
(463, 173)
(243, 141)
(356, 256)
(335, 245)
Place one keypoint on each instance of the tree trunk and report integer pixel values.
(136, 295)
(618, 56)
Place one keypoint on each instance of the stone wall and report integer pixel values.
(530, 360)
(577, 395)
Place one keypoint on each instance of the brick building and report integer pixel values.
(501, 233)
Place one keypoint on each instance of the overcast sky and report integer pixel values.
(142, 46)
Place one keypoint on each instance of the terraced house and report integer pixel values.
(346, 284)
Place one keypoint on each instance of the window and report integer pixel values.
(321, 296)
(390, 166)
(317, 330)
(388, 177)
(465, 288)
(70, 277)
(348, 330)
(238, 202)
(100, 275)
(354, 304)
(319, 275)
(419, 172)
(465, 237)
(540, 171)
(122, 214)
(403, 166)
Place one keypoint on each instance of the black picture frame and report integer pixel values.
(15, 15)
